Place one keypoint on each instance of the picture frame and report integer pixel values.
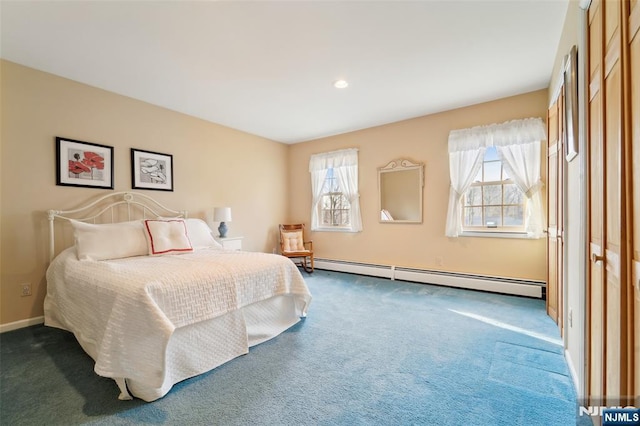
(83, 164)
(571, 104)
(151, 170)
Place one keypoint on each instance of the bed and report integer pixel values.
(154, 299)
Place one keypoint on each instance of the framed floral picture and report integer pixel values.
(151, 170)
(84, 164)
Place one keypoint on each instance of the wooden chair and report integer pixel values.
(293, 245)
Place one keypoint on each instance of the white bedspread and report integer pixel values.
(124, 312)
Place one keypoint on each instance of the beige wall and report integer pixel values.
(213, 166)
(423, 245)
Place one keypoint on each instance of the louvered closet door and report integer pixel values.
(595, 293)
(613, 201)
(608, 281)
(555, 163)
(634, 83)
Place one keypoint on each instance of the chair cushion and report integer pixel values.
(292, 241)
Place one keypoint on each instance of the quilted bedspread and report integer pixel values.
(123, 312)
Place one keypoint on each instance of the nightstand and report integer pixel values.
(231, 243)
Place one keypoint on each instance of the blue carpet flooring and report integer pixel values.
(371, 352)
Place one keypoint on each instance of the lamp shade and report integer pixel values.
(222, 214)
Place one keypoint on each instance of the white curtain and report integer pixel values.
(463, 168)
(518, 144)
(317, 182)
(348, 178)
(522, 163)
(345, 166)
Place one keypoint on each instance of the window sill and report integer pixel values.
(489, 234)
(334, 229)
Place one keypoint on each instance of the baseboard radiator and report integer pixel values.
(519, 287)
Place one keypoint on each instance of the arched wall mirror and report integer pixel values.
(400, 185)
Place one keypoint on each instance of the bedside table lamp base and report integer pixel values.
(222, 215)
(222, 229)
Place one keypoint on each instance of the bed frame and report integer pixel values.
(111, 208)
(261, 323)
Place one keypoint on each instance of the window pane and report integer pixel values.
(326, 202)
(473, 216)
(491, 154)
(474, 196)
(512, 195)
(494, 200)
(335, 210)
(344, 220)
(492, 195)
(513, 216)
(330, 182)
(326, 217)
(335, 217)
(492, 171)
(493, 216)
(341, 201)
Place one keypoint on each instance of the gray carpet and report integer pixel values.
(371, 352)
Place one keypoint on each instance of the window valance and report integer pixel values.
(515, 132)
(334, 159)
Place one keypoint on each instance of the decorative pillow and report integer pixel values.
(200, 234)
(167, 236)
(293, 241)
(109, 240)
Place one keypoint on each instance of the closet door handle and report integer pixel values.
(595, 258)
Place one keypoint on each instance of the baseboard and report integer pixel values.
(514, 286)
(574, 374)
(21, 324)
(355, 268)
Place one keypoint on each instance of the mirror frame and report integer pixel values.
(398, 166)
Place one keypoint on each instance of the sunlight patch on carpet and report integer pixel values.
(506, 326)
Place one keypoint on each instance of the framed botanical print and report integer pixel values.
(83, 164)
(151, 170)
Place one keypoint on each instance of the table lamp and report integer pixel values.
(222, 215)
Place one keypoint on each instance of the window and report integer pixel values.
(334, 207)
(334, 186)
(495, 180)
(493, 202)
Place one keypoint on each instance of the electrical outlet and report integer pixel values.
(25, 289)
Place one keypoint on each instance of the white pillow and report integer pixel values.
(109, 240)
(200, 234)
(167, 236)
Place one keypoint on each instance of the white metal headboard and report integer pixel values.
(134, 204)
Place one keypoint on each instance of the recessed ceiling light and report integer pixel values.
(340, 84)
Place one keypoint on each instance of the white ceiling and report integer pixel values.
(267, 67)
